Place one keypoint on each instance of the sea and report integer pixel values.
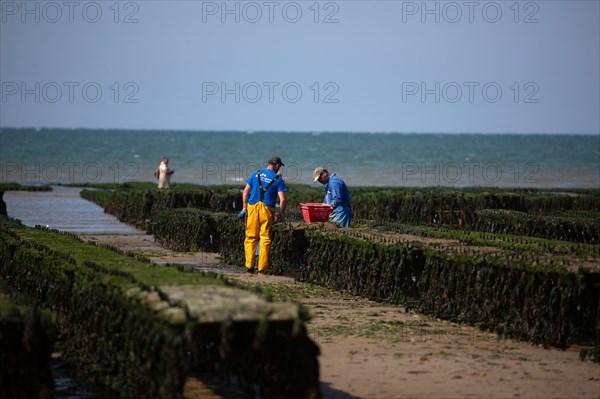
(52, 156)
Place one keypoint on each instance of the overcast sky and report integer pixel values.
(357, 66)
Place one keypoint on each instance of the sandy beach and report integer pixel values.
(369, 349)
(377, 351)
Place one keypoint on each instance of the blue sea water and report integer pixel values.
(361, 159)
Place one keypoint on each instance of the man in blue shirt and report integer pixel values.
(259, 199)
(336, 195)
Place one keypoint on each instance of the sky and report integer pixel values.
(347, 66)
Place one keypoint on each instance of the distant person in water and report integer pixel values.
(336, 195)
(163, 173)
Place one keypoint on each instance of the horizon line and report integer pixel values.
(315, 132)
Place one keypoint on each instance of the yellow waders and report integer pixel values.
(258, 227)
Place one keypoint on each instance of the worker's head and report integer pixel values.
(275, 163)
(165, 160)
(321, 175)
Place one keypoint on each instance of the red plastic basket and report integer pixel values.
(315, 212)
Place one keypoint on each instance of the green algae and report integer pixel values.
(134, 324)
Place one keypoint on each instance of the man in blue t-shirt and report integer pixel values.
(336, 195)
(259, 199)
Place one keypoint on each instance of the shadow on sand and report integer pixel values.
(329, 392)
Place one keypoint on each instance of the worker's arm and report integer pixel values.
(335, 194)
(246, 195)
(282, 204)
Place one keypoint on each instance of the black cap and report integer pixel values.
(275, 160)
